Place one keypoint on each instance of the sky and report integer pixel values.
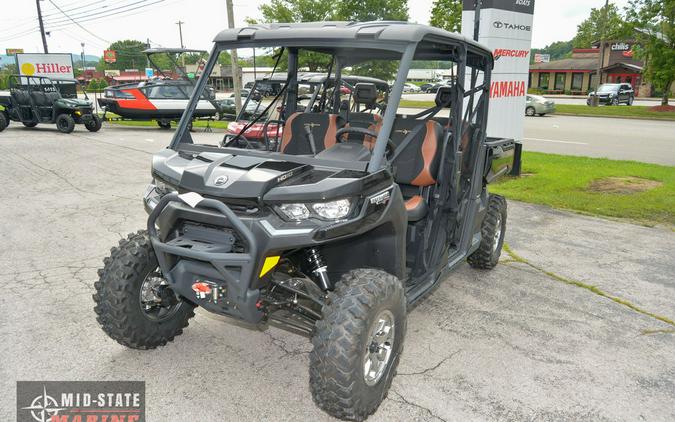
(554, 20)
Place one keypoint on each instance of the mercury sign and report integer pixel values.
(52, 65)
(506, 29)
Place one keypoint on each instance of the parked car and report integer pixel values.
(536, 104)
(408, 87)
(229, 109)
(434, 88)
(246, 92)
(425, 87)
(613, 94)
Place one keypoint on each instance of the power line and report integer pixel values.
(75, 22)
(88, 19)
(88, 13)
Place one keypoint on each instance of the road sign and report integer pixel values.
(52, 65)
(109, 56)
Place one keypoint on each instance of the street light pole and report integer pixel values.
(180, 33)
(82, 44)
(595, 99)
(42, 27)
(236, 75)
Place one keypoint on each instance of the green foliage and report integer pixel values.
(342, 10)
(558, 50)
(447, 14)
(655, 20)
(595, 27)
(129, 55)
(372, 10)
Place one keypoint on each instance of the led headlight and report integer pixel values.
(295, 211)
(332, 210)
(155, 191)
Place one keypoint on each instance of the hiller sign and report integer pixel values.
(48, 65)
(506, 29)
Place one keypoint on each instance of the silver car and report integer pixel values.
(536, 104)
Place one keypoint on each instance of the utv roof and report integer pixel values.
(171, 50)
(373, 33)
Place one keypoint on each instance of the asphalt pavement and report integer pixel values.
(521, 342)
(649, 141)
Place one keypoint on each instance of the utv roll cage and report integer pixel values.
(353, 43)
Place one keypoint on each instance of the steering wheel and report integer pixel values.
(231, 138)
(391, 147)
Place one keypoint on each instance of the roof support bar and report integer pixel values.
(377, 160)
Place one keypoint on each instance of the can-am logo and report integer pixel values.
(499, 89)
(506, 52)
(525, 3)
(508, 25)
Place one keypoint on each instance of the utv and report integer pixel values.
(34, 100)
(335, 231)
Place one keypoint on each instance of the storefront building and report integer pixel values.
(577, 75)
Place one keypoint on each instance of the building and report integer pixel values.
(577, 74)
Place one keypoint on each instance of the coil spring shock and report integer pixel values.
(318, 268)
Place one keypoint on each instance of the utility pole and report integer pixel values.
(82, 44)
(42, 27)
(595, 100)
(180, 33)
(147, 46)
(236, 75)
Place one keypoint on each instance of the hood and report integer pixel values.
(75, 102)
(247, 180)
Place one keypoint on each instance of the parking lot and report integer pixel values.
(578, 329)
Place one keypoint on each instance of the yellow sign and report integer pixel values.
(13, 51)
(28, 69)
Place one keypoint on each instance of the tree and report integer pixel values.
(654, 22)
(129, 55)
(591, 29)
(447, 14)
(557, 50)
(372, 10)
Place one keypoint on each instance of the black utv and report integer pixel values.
(37, 100)
(333, 232)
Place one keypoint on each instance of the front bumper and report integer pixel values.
(234, 268)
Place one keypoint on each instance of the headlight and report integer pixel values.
(295, 211)
(333, 210)
(155, 191)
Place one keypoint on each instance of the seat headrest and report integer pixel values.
(364, 93)
(443, 96)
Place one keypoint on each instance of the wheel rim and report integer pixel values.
(379, 348)
(157, 301)
(63, 124)
(498, 234)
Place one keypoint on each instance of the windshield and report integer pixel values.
(274, 96)
(608, 88)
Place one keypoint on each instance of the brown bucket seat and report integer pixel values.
(323, 126)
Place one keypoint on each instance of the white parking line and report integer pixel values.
(554, 141)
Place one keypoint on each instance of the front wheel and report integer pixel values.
(630, 101)
(4, 121)
(492, 231)
(615, 101)
(134, 304)
(94, 125)
(65, 123)
(164, 124)
(530, 111)
(358, 343)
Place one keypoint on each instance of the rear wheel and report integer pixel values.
(94, 125)
(30, 124)
(493, 229)
(65, 123)
(530, 111)
(134, 304)
(357, 344)
(4, 121)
